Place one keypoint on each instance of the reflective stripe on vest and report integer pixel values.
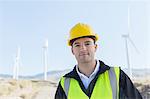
(106, 87)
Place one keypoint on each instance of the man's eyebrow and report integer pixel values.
(75, 43)
(84, 42)
(87, 41)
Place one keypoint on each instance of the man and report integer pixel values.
(91, 78)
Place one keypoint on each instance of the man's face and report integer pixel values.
(84, 49)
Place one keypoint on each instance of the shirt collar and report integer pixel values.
(92, 74)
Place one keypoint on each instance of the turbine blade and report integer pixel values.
(133, 44)
(128, 20)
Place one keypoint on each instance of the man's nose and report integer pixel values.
(82, 47)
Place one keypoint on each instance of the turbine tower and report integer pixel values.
(16, 64)
(45, 58)
(128, 39)
(126, 36)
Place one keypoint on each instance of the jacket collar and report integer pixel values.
(102, 68)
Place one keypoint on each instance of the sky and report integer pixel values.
(27, 23)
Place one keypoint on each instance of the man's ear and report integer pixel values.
(96, 47)
(72, 50)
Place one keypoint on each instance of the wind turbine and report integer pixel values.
(45, 58)
(128, 39)
(16, 65)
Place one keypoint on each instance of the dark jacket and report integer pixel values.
(126, 88)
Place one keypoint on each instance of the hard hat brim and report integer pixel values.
(94, 37)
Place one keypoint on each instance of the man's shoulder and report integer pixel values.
(71, 74)
(104, 67)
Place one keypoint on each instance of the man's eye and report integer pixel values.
(77, 45)
(88, 43)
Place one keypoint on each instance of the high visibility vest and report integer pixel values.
(106, 87)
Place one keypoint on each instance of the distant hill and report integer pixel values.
(138, 72)
(54, 76)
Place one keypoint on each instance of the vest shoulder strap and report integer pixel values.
(66, 85)
(113, 82)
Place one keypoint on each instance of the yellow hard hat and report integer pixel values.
(81, 30)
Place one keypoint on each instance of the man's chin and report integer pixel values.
(84, 60)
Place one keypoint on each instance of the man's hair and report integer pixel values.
(92, 37)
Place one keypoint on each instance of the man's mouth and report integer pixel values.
(83, 54)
